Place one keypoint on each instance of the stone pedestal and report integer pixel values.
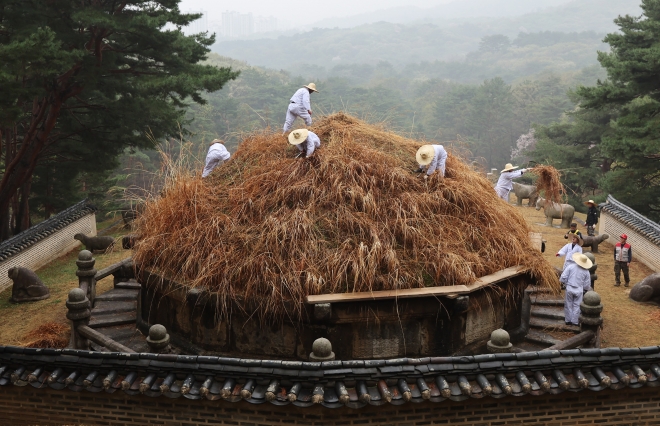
(590, 318)
(322, 351)
(78, 313)
(500, 342)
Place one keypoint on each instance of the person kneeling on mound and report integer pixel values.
(577, 279)
(306, 142)
(431, 158)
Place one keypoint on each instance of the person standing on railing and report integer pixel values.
(300, 106)
(622, 259)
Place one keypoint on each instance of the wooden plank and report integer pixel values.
(109, 270)
(102, 340)
(386, 294)
(445, 291)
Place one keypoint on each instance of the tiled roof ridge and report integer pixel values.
(630, 217)
(334, 383)
(38, 232)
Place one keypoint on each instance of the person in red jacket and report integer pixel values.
(622, 259)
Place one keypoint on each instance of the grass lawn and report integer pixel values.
(17, 320)
(627, 324)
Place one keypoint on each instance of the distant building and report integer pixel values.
(198, 26)
(263, 24)
(236, 25)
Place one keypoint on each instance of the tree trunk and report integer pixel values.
(23, 212)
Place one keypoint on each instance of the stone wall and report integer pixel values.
(387, 328)
(28, 406)
(644, 250)
(46, 250)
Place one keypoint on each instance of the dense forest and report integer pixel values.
(543, 96)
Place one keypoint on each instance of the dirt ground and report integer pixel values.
(626, 323)
(17, 320)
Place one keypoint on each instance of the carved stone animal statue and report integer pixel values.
(647, 290)
(27, 286)
(565, 212)
(525, 191)
(95, 243)
(593, 241)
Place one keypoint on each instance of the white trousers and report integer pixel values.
(572, 304)
(294, 111)
(503, 193)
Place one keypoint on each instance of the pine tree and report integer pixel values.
(633, 89)
(83, 80)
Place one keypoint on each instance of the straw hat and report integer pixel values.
(580, 240)
(425, 155)
(312, 87)
(509, 168)
(298, 136)
(582, 260)
(591, 202)
(217, 141)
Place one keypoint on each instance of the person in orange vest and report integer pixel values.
(622, 259)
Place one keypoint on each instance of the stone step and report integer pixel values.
(550, 312)
(541, 338)
(544, 323)
(548, 302)
(131, 285)
(121, 333)
(113, 319)
(117, 294)
(106, 307)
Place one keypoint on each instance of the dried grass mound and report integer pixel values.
(266, 229)
(48, 335)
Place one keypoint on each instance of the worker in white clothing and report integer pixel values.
(505, 182)
(307, 142)
(577, 279)
(300, 106)
(431, 158)
(575, 246)
(217, 155)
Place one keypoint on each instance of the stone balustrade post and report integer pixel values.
(590, 319)
(158, 340)
(78, 313)
(592, 271)
(86, 273)
(500, 342)
(322, 350)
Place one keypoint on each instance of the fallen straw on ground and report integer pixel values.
(48, 335)
(265, 230)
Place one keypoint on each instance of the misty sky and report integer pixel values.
(310, 10)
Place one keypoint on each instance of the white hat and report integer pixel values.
(582, 261)
(591, 202)
(312, 87)
(509, 167)
(425, 155)
(217, 141)
(298, 136)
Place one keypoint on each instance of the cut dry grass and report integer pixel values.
(266, 230)
(48, 335)
(549, 183)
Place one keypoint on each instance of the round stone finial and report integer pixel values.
(157, 332)
(591, 257)
(591, 298)
(85, 255)
(77, 295)
(322, 350)
(322, 347)
(500, 337)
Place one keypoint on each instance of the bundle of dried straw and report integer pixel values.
(265, 230)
